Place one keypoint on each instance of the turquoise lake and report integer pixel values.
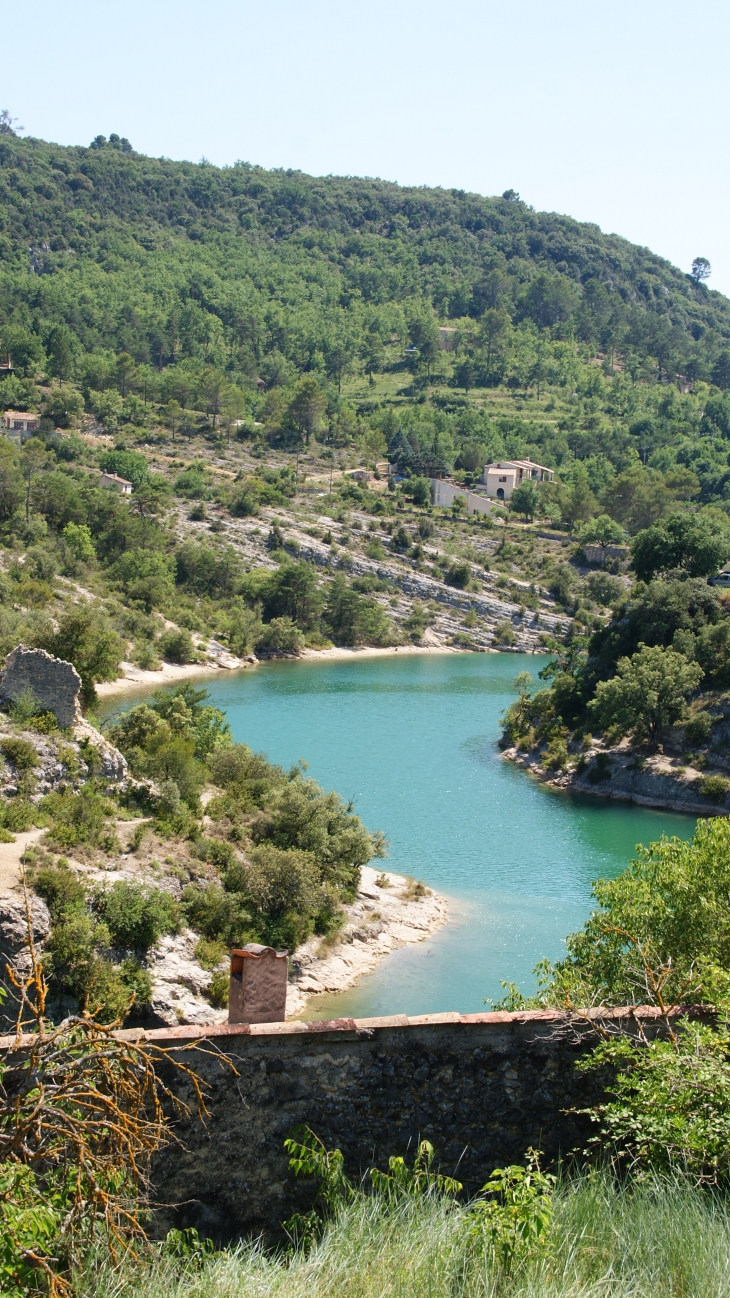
(412, 740)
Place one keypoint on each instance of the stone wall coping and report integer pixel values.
(316, 1027)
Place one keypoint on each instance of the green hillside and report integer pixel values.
(140, 282)
(167, 259)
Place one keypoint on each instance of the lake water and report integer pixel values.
(412, 740)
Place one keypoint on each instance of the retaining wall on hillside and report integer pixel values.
(482, 1088)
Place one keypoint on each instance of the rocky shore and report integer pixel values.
(658, 780)
(390, 911)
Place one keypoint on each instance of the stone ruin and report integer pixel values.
(257, 990)
(54, 683)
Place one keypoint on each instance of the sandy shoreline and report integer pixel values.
(341, 652)
(135, 678)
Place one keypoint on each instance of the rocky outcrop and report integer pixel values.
(61, 763)
(619, 773)
(14, 948)
(180, 986)
(389, 912)
(113, 765)
(54, 683)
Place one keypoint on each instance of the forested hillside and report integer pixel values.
(172, 260)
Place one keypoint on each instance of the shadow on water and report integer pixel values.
(412, 740)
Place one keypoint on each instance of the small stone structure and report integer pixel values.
(257, 990)
(55, 683)
(601, 553)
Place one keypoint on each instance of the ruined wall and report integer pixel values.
(54, 683)
(481, 1088)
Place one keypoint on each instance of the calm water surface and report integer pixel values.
(412, 740)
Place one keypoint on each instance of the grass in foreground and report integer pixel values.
(648, 1241)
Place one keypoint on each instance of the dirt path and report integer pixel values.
(10, 854)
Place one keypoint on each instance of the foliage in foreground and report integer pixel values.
(605, 1240)
(81, 1114)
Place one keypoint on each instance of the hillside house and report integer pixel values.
(501, 479)
(19, 424)
(447, 338)
(113, 481)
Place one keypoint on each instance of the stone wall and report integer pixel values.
(54, 683)
(481, 1088)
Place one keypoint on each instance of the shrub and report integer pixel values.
(459, 575)
(647, 693)
(24, 707)
(60, 888)
(601, 769)
(84, 638)
(194, 482)
(169, 804)
(210, 954)
(131, 465)
(280, 636)
(714, 788)
(601, 531)
(20, 752)
(146, 577)
(18, 815)
(80, 818)
(135, 916)
(604, 588)
(697, 729)
(219, 853)
(244, 505)
(352, 618)
(218, 915)
(505, 633)
(219, 988)
(177, 647)
(669, 1110)
(137, 981)
(556, 755)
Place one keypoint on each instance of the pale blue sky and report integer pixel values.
(615, 113)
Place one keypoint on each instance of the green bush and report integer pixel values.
(219, 988)
(600, 768)
(20, 752)
(136, 916)
(669, 1105)
(218, 915)
(18, 815)
(60, 888)
(459, 575)
(216, 851)
(505, 633)
(714, 788)
(280, 636)
(604, 588)
(556, 755)
(352, 619)
(244, 505)
(177, 647)
(210, 953)
(81, 817)
(697, 729)
(137, 981)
